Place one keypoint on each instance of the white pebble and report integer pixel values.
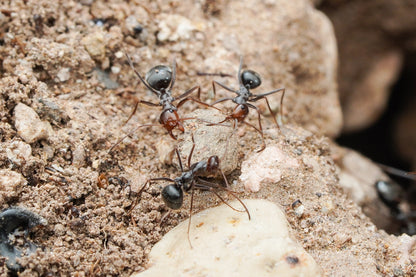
(28, 124)
(18, 152)
(64, 74)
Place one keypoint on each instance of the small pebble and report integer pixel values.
(64, 74)
(165, 150)
(18, 152)
(28, 124)
(11, 184)
(174, 27)
(95, 45)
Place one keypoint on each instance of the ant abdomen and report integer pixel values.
(172, 195)
(250, 79)
(159, 77)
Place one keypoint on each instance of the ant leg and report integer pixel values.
(235, 125)
(240, 81)
(190, 216)
(261, 133)
(139, 193)
(270, 110)
(129, 133)
(140, 77)
(189, 91)
(179, 158)
(213, 186)
(225, 178)
(263, 95)
(220, 74)
(222, 100)
(136, 106)
(192, 151)
(183, 101)
(223, 86)
(173, 74)
(397, 172)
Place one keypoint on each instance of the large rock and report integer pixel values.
(226, 243)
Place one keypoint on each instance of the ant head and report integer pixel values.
(213, 163)
(240, 112)
(159, 77)
(169, 119)
(250, 79)
(172, 195)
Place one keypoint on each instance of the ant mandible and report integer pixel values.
(160, 80)
(190, 180)
(248, 79)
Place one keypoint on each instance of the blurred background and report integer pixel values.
(377, 77)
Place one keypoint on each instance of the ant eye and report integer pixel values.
(159, 77)
(172, 195)
(250, 79)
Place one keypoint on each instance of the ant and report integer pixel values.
(190, 180)
(248, 79)
(160, 80)
(399, 198)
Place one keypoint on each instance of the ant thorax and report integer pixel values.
(166, 100)
(243, 96)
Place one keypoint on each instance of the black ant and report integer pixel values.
(160, 80)
(399, 198)
(248, 79)
(191, 180)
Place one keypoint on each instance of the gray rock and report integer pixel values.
(213, 140)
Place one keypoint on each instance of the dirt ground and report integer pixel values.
(66, 61)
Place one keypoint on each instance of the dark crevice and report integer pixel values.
(377, 141)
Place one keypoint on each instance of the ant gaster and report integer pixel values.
(160, 80)
(247, 80)
(191, 180)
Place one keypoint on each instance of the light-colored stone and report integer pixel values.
(94, 43)
(11, 183)
(173, 27)
(266, 166)
(165, 150)
(213, 140)
(18, 152)
(28, 124)
(64, 74)
(227, 243)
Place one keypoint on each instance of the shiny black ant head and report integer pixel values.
(172, 195)
(389, 192)
(250, 79)
(159, 77)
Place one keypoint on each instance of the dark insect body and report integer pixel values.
(248, 80)
(399, 198)
(191, 180)
(160, 80)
